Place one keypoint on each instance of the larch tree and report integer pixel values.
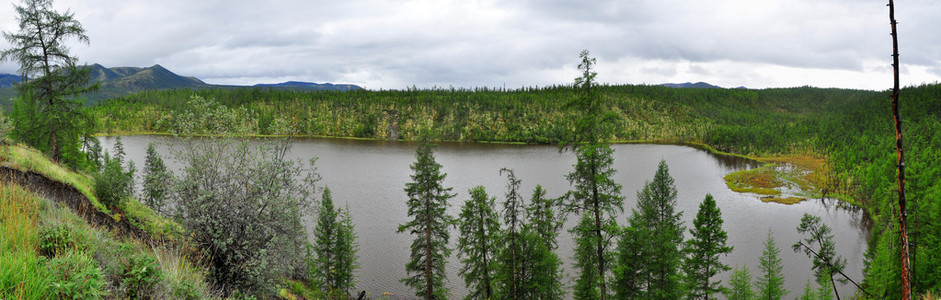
(631, 274)
(819, 246)
(708, 243)
(479, 227)
(740, 287)
(429, 222)
(596, 197)
(770, 281)
(658, 220)
(543, 218)
(48, 114)
(544, 277)
(511, 255)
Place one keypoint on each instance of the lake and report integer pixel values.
(369, 177)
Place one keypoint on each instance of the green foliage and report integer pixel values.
(240, 200)
(632, 273)
(75, 276)
(335, 248)
(57, 239)
(427, 208)
(47, 113)
(141, 276)
(819, 246)
(770, 283)
(115, 182)
(740, 287)
(479, 227)
(543, 219)
(657, 219)
(599, 196)
(703, 250)
(156, 182)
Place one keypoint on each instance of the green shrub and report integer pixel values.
(75, 276)
(115, 182)
(58, 239)
(141, 276)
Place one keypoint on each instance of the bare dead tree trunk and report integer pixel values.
(903, 214)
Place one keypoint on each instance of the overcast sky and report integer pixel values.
(470, 43)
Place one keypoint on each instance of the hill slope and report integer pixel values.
(121, 81)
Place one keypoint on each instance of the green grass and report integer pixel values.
(22, 276)
(26, 159)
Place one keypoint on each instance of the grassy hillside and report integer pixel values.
(48, 249)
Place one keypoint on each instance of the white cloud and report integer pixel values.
(397, 43)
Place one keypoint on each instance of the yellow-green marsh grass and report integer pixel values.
(21, 274)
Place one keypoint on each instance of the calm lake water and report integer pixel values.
(369, 177)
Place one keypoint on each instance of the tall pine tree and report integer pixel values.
(631, 274)
(346, 253)
(770, 283)
(477, 248)
(427, 207)
(703, 251)
(658, 220)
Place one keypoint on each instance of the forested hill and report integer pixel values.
(122, 81)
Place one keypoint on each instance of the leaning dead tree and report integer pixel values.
(903, 214)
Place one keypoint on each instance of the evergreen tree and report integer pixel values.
(826, 262)
(511, 254)
(631, 273)
(740, 285)
(771, 282)
(544, 279)
(47, 113)
(703, 251)
(347, 248)
(599, 197)
(480, 228)
(325, 239)
(427, 207)
(809, 293)
(658, 219)
(542, 218)
(156, 180)
(335, 247)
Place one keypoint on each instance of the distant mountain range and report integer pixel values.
(121, 81)
(698, 85)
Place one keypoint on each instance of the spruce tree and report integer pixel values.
(658, 219)
(325, 239)
(703, 250)
(156, 180)
(335, 247)
(740, 285)
(477, 245)
(427, 208)
(347, 248)
(770, 283)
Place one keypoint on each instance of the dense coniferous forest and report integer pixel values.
(850, 129)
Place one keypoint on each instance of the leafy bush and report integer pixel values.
(75, 276)
(141, 276)
(57, 240)
(115, 182)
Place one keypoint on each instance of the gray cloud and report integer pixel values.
(393, 44)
